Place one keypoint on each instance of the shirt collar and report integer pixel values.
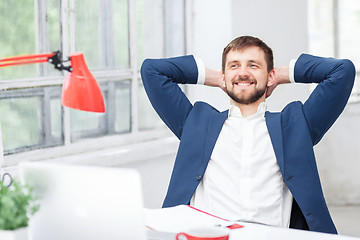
(234, 111)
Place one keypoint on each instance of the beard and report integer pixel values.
(246, 99)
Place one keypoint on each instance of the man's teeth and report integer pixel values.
(243, 83)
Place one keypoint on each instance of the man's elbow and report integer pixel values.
(349, 69)
(146, 66)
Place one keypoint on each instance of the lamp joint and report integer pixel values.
(58, 63)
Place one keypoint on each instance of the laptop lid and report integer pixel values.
(85, 202)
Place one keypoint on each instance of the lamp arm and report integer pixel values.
(80, 89)
(54, 58)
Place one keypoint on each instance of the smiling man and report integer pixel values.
(247, 72)
(247, 163)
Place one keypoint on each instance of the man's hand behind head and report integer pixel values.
(214, 78)
(281, 77)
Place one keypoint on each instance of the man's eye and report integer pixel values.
(233, 66)
(253, 65)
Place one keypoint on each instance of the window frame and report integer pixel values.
(67, 45)
(355, 95)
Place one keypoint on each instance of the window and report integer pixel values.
(334, 31)
(114, 35)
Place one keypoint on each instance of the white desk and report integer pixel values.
(170, 221)
(262, 232)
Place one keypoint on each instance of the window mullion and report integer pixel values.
(106, 34)
(173, 21)
(134, 66)
(336, 28)
(110, 107)
(42, 34)
(46, 117)
(65, 46)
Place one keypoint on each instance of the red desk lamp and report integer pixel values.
(80, 89)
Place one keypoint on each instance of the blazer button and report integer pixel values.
(198, 177)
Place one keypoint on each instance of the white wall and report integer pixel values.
(282, 24)
(338, 158)
(210, 32)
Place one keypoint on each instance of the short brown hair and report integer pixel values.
(243, 42)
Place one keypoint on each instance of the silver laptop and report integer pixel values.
(85, 202)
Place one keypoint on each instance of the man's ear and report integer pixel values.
(223, 80)
(271, 78)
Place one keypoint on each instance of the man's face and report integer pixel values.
(246, 76)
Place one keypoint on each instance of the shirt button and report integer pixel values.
(198, 177)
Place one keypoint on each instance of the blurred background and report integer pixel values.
(117, 35)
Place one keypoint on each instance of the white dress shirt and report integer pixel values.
(243, 179)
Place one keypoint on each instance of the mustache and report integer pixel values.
(247, 79)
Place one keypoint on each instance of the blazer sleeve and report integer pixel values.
(335, 78)
(161, 78)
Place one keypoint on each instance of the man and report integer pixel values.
(247, 163)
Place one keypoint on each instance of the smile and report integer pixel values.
(243, 83)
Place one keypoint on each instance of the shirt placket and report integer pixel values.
(246, 163)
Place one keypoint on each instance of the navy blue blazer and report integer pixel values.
(293, 131)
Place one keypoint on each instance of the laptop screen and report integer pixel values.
(85, 202)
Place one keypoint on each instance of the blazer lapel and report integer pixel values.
(273, 122)
(216, 121)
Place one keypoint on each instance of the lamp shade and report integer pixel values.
(80, 89)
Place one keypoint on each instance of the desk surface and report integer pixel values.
(260, 232)
(169, 221)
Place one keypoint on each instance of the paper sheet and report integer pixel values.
(180, 219)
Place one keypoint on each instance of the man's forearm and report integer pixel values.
(213, 78)
(209, 77)
(282, 75)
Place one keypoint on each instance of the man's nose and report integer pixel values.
(243, 73)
